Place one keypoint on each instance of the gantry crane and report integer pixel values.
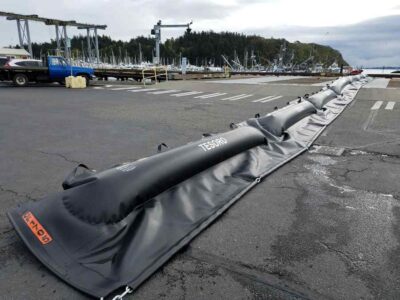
(156, 31)
(61, 33)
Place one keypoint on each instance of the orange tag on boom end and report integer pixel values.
(37, 228)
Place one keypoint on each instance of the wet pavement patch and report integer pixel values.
(394, 83)
(326, 150)
(345, 226)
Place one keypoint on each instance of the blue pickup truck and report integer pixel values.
(54, 69)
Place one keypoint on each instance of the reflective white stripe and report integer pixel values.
(265, 98)
(377, 105)
(164, 92)
(272, 99)
(108, 85)
(242, 97)
(141, 90)
(390, 105)
(125, 88)
(234, 97)
(377, 83)
(210, 95)
(186, 94)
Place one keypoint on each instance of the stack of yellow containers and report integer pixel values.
(77, 82)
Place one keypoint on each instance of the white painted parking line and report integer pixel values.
(272, 99)
(390, 105)
(164, 92)
(265, 98)
(141, 90)
(126, 88)
(377, 83)
(98, 88)
(377, 105)
(256, 80)
(186, 94)
(242, 97)
(210, 95)
(234, 97)
(108, 85)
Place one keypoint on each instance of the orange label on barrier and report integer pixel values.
(37, 228)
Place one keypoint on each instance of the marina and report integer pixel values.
(187, 163)
(220, 252)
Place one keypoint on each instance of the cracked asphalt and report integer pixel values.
(324, 226)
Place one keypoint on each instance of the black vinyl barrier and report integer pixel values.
(340, 84)
(115, 228)
(279, 121)
(133, 184)
(320, 99)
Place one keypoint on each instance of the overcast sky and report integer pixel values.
(367, 32)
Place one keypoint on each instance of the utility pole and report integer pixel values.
(156, 31)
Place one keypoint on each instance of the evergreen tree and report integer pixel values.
(200, 47)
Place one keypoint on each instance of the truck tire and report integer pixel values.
(20, 79)
(87, 80)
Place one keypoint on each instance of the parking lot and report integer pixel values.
(324, 226)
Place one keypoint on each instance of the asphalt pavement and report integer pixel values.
(324, 226)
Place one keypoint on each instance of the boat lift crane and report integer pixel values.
(61, 33)
(156, 31)
(236, 61)
(226, 61)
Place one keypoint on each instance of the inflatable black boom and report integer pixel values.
(114, 228)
